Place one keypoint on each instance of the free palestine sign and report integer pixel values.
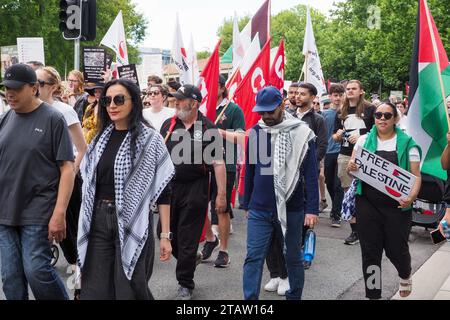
(383, 175)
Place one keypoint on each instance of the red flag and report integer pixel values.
(209, 85)
(256, 79)
(233, 82)
(277, 70)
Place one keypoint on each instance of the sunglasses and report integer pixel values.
(42, 83)
(261, 113)
(387, 115)
(154, 93)
(118, 100)
(316, 103)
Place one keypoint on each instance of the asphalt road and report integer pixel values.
(335, 274)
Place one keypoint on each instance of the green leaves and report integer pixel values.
(39, 18)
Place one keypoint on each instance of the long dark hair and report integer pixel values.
(135, 119)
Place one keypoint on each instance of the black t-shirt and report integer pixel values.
(352, 124)
(32, 148)
(105, 168)
(193, 150)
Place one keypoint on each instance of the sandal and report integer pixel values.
(405, 287)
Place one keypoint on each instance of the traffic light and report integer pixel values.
(78, 19)
(70, 18)
(89, 20)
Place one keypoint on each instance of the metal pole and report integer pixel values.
(77, 54)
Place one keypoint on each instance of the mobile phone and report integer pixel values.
(437, 237)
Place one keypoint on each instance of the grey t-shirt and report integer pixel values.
(32, 148)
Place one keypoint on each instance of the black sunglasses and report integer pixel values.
(261, 113)
(42, 83)
(118, 100)
(387, 115)
(153, 93)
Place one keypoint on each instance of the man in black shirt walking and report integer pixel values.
(190, 137)
(37, 176)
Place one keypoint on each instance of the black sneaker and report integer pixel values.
(335, 223)
(222, 261)
(208, 248)
(352, 239)
(184, 294)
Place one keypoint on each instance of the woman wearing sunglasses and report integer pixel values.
(127, 169)
(383, 223)
(157, 112)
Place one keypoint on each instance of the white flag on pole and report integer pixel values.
(179, 55)
(115, 39)
(238, 48)
(313, 70)
(192, 62)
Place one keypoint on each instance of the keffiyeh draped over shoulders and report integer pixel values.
(138, 185)
(290, 139)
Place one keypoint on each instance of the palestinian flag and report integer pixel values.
(429, 85)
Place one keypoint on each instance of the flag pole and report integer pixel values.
(438, 61)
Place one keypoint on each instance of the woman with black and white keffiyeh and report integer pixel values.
(126, 170)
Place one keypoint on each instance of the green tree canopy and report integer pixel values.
(40, 18)
(349, 47)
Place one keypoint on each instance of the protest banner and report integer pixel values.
(383, 175)
(129, 72)
(8, 58)
(94, 62)
(30, 49)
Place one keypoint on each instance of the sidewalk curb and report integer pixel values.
(432, 280)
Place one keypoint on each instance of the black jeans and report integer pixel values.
(382, 227)
(69, 244)
(103, 277)
(188, 209)
(333, 184)
(275, 260)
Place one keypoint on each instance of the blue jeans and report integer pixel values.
(25, 259)
(260, 227)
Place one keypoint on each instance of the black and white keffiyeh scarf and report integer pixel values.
(137, 187)
(290, 139)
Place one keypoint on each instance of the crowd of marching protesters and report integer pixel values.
(87, 165)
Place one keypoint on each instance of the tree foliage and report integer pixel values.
(349, 47)
(40, 18)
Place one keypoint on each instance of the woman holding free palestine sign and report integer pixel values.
(384, 223)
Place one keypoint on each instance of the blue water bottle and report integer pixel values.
(310, 246)
(446, 229)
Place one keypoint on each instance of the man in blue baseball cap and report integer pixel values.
(279, 196)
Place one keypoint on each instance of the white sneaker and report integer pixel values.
(283, 287)
(215, 230)
(272, 285)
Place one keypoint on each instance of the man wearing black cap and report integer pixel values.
(281, 190)
(37, 175)
(196, 149)
(231, 123)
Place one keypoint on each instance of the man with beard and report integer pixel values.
(291, 108)
(281, 190)
(196, 148)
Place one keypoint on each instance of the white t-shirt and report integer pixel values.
(68, 112)
(389, 145)
(156, 119)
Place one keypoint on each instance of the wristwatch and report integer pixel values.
(168, 236)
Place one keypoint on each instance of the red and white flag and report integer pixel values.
(179, 55)
(209, 85)
(277, 69)
(116, 40)
(256, 79)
